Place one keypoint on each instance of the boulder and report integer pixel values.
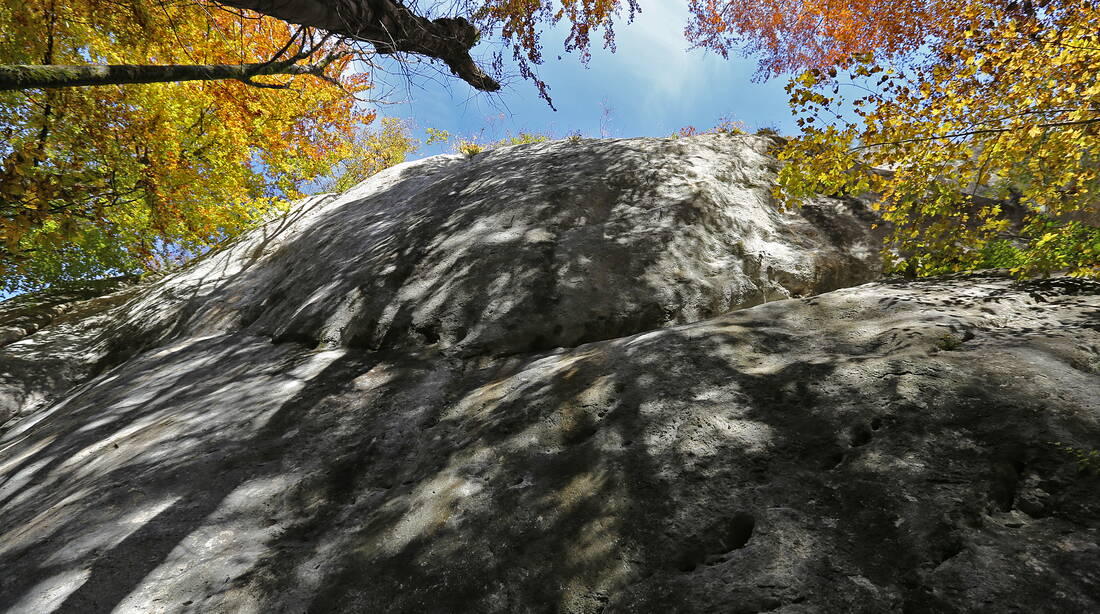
(528, 248)
(251, 441)
(514, 250)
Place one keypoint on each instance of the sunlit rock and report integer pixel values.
(274, 429)
(529, 248)
(514, 250)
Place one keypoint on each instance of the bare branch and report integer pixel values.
(955, 135)
(21, 76)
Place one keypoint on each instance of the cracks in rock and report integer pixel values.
(951, 550)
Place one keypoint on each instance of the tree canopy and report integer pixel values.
(984, 149)
(121, 178)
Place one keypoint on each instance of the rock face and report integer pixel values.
(47, 340)
(482, 386)
(515, 250)
(532, 248)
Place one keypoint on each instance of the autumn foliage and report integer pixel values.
(123, 178)
(985, 154)
(793, 35)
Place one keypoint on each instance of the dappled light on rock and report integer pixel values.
(563, 377)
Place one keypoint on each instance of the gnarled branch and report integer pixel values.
(389, 26)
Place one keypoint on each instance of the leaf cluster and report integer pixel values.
(521, 24)
(370, 152)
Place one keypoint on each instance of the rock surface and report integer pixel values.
(536, 247)
(514, 250)
(247, 440)
(52, 340)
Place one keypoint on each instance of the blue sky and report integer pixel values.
(651, 86)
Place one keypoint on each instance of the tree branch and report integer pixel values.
(23, 76)
(389, 26)
(954, 135)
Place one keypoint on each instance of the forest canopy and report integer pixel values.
(982, 144)
(95, 180)
(976, 124)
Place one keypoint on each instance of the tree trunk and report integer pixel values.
(389, 26)
(22, 76)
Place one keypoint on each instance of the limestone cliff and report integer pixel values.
(605, 376)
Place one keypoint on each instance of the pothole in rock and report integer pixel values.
(715, 545)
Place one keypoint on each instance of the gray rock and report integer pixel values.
(515, 250)
(530, 248)
(882, 448)
(51, 341)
